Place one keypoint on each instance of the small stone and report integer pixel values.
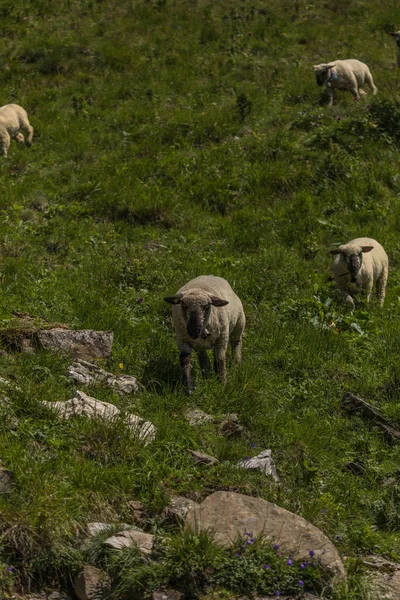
(205, 459)
(166, 595)
(139, 512)
(87, 373)
(197, 417)
(92, 584)
(6, 481)
(178, 507)
(380, 563)
(131, 538)
(230, 428)
(389, 482)
(262, 462)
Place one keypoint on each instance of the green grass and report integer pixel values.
(174, 139)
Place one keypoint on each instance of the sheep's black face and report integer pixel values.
(354, 262)
(322, 74)
(196, 318)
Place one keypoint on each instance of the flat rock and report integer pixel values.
(166, 595)
(6, 481)
(130, 538)
(205, 459)
(86, 406)
(262, 462)
(84, 343)
(179, 507)
(380, 563)
(230, 428)
(387, 586)
(92, 584)
(228, 515)
(87, 373)
(197, 417)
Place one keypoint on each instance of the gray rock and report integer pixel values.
(8, 418)
(379, 563)
(97, 527)
(197, 417)
(228, 515)
(6, 481)
(92, 584)
(86, 406)
(84, 343)
(385, 586)
(205, 459)
(130, 538)
(87, 373)
(262, 462)
(166, 595)
(231, 428)
(178, 507)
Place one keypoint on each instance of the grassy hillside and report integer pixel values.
(173, 139)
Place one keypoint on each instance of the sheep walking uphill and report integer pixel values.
(396, 35)
(350, 75)
(207, 314)
(358, 265)
(13, 118)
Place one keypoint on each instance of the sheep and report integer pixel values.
(348, 75)
(12, 118)
(357, 266)
(207, 314)
(396, 35)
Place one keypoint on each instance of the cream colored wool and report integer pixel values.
(13, 118)
(374, 269)
(348, 75)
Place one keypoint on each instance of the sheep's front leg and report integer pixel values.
(204, 363)
(368, 287)
(220, 360)
(185, 352)
(349, 301)
(19, 138)
(331, 95)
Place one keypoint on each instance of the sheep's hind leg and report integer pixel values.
(204, 363)
(19, 138)
(381, 287)
(370, 82)
(185, 352)
(220, 361)
(5, 143)
(27, 127)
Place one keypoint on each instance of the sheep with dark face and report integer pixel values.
(13, 118)
(358, 265)
(396, 35)
(348, 75)
(207, 314)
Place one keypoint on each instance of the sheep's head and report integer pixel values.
(322, 73)
(196, 308)
(352, 256)
(396, 35)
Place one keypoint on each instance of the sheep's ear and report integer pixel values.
(367, 248)
(336, 251)
(173, 299)
(393, 33)
(215, 301)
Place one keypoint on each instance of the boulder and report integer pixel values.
(130, 538)
(387, 587)
(92, 584)
(262, 462)
(86, 406)
(84, 343)
(87, 373)
(197, 417)
(205, 459)
(179, 507)
(227, 515)
(230, 428)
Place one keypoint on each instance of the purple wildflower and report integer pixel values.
(10, 569)
(323, 511)
(276, 547)
(252, 540)
(290, 562)
(118, 437)
(254, 445)
(247, 458)
(140, 300)
(277, 593)
(311, 553)
(237, 554)
(266, 566)
(249, 542)
(249, 533)
(301, 582)
(302, 566)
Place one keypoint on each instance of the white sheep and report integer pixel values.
(358, 265)
(348, 75)
(396, 35)
(13, 118)
(207, 314)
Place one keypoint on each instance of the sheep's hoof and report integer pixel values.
(29, 144)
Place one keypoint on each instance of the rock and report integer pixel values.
(130, 538)
(197, 417)
(379, 563)
(389, 482)
(229, 515)
(231, 428)
(8, 418)
(87, 373)
(86, 406)
(96, 528)
(6, 481)
(92, 584)
(166, 595)
(262, 462)
(178, 507)
(353, 404)
(139, 512)
(84, 343)
(205, 459)
(387, 586)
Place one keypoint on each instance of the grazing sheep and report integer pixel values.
(358, 265)
(348, 75)
(206, 314)
(396, 35)
(12, 118)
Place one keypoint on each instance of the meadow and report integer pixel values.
(175, 138)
